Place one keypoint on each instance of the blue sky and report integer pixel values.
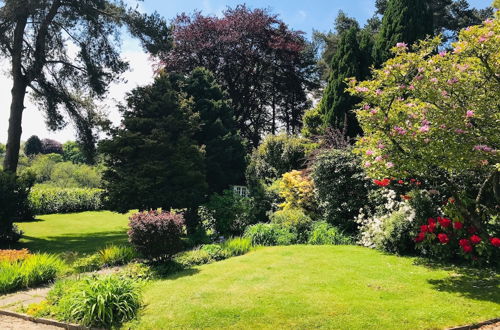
(299, 15)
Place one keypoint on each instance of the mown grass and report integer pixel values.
(84, 232)
(304, 287)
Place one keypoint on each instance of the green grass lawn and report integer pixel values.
(304, 287)
(80, 232)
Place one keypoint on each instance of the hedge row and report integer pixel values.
(46, 200)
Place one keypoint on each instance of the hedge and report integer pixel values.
(48, 200)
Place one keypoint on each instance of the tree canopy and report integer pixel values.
(66, 53)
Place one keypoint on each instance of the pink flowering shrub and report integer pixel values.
(156, 234)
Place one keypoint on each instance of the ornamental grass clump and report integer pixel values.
(156, 234)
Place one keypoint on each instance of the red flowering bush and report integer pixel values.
(156, 234)
(443, 238)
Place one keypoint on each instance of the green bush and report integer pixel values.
(88, 263)
(226, 214)
(117, 255)
(13, 204)
(47, 200)
(214, 250)
(236, 246)
(341, 187)
(322, 233)
(193, 258)
(295, 220)
(103, 301)
(69, 175)
(33, 270)
(269, 234)
(398, 233)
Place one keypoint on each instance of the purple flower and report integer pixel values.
(424, 129)
(452, 81)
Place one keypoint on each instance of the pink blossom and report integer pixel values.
(402, 45)
(427, 140)
(367, 107)
(460, 131)
(482, 147)
(411, 87)
(400, 130)
(369, 152)
(434, 80)
(373, 112)
(362, 89)
(411, 105)
(462, 68)
(381, 146)
(420, 70)
(378, 92)
(482, 39)
(368, 164)
(469, 114)
(424, 129)
(452, 81)
(443, 126)
(488, 21)
(389, 165)
(444, 93)
(378, 158)
(403, 86)
(443, 53)
(419, 77)
(425, 122)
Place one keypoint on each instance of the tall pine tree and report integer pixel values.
(225, 152)
(153, 160)
(336, 105)
(404, 21)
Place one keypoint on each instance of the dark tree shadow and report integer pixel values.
(474, 283)
(83, 243)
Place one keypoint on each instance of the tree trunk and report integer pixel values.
(15, 129)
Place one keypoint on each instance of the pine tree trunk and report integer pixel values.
(15, 129)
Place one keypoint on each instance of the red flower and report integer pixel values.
(401, 182)
(443, 238)
(475, 239)
(412, 180)
(418, 183)
(495, 241)
(420, 237)
(424, 229)
(458, 225)
(472, 230)
(431, 220)
(467, 248)
(382, 183)
(464, 242)
(406, 197)
(432, 227)
(444, 222)
(451, 200)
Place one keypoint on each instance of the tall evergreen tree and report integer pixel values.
(153, 159)
(225, 152)
(336, 105)
(404, 21)
(33, 146)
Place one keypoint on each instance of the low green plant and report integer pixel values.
(269, 234)
(215, 251)
(193, 258)
(137, 270)
(236, 246)
(34, 270)
(322, 233)
(115, 255)
(97, 301)
(88, 263)
(295, 220)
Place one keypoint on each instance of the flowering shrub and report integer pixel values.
(444, 238)
(423, 113)
(156, 234)
(13, 255)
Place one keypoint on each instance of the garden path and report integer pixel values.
(14, 323)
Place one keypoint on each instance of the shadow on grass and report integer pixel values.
(472, 283)
(83, 243)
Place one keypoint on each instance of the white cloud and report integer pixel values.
(140, 73)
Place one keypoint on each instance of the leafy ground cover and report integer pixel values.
(84, 232)
(343, 287)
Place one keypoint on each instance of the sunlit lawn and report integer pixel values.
(79, 232)
(307, 287)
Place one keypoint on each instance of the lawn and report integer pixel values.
(80, 232)
(339, 287)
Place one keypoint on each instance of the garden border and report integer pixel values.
(476, 325)
(62, 325)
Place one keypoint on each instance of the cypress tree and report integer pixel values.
(404, 21)
(224, 149)
(336, 105)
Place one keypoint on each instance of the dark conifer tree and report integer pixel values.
(404, 21)
(337, 105)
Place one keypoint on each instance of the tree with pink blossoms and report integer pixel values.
(435, 116)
